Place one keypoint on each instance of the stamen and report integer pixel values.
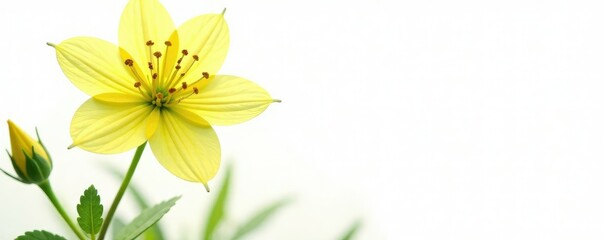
(157, 55)
(137, 86)
(150, 44)
(205, 76)
(140, 81)
(154, 82)
(150, 66)
(195, 91)
(195, 59)
(177, 67)
(172, 90)
(168, 44)
(184, 85)
(158, 98)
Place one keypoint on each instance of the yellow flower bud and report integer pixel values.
(30, 159)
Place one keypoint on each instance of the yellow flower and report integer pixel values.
(29, 157)
(160, 85)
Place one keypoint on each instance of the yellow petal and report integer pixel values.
(94, 66)
(227, 100)
(144, 20)
(153, 122)
(108, 127)
(119, 98)
(186, 145)
(207, 37)
(21, 144)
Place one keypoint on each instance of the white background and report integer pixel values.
(424, 119)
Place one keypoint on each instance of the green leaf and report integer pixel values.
(39, 235)
(217, 211)
(90, 212)
(155, 232)
(351, 232)
(146, 219)
(117, 226)
(259, 218)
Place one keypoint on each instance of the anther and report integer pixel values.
(195, 90)
(137, 84)
(159, 96)
(205, 75)
(157, 54)
(151, 65)
(168, 43)
(129, 62)
(178, 67)
(154, 75)
(150, 43)
(184, 85)
(184, 52)
(172, 90)
(196, 57)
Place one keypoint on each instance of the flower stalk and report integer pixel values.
(47, 189)
(121, 191)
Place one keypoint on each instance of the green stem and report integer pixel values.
(122, 190)
(45, 186)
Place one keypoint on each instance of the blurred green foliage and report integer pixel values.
(216, 216)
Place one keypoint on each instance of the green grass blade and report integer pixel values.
(146, 219)
(155, 232)
(351, 232)
(117, 226)
(259, 219)
(217, 212)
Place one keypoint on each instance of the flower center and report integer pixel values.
(161, 86)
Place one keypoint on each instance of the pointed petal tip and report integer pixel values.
(71, 146)
(206, 186)
(276, 100)
(11, 126)
(223, 11)
(51, 44)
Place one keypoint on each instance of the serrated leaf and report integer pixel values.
(351, 232)
(155, 232)
(90, 211)
(217, 211)
(146, 219)
(259, 218)
(39, 235)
